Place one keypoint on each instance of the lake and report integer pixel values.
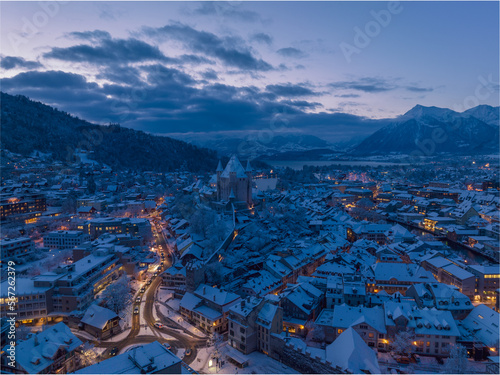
(299, 164)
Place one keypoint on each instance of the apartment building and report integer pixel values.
(251, 322)
(64, 239)
(20, 248)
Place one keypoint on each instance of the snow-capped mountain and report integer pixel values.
(432, 130)
(253, 146)
(486, 113)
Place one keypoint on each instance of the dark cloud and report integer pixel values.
(89, 35)
(366, 84)
(262, 38)
(290, 90)
(301, 104)
(419, 89)
(50, 79)
(159, 75)
(347, 96)
(111, 51)
(229, 50)
(300, 66)
(229, 9)
(291, 52)
(126, 75)
(210, 74)
(11, 62)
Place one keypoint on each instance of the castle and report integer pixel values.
(234, 183)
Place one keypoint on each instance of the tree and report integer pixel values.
(457, 363)
(403, 343)
(117, 295)
(87, 354)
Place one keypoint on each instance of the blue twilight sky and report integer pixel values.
(332, 69)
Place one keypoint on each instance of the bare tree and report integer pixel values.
(87, 355)
(457, 363)
(403, 343)
(117, 295)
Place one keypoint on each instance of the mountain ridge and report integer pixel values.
(29, 125)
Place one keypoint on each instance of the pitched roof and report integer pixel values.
(97, 316)
(350, 352)
(235, 166)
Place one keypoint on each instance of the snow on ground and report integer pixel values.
(99, 350)
(202, 357)
(174, 304)
(180, 320)
(84, 334)
(129, 348)
(258, 363)
(118, 337)
(164, 294)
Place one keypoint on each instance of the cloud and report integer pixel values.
(262, 38)
(114, 51)
(347, 96)
(11, 62)
(231, 51)
(89, 35)
(290, 90)
(301, 104)
(228, 9)
(366, 84)
(419, 89)
(50, 79)
(291, 52)
(210, 74)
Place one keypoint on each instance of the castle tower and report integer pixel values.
(235, 182)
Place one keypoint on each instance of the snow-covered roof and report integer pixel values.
(39, 352)
(97, 316)
(215, 295)
(234, 166)
(148, 359)
(345, 316)
(350, 352)
(484, 322)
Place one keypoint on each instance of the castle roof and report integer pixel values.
(219, 167)
(235, 166)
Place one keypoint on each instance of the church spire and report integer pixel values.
(219, 167)
(249, 167)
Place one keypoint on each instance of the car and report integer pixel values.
(188, 351)
(138, 299)
(158, 325)
(155, 274)
(136, 310)
(403, 360)
(167, 345)
(143, 290)
(161, 264)
(149, 282)
(113, 351)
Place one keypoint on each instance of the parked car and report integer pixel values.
(113, 351)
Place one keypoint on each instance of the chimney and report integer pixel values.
(214, 298)
(242, 303)
(36, 340)
(204, 290)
